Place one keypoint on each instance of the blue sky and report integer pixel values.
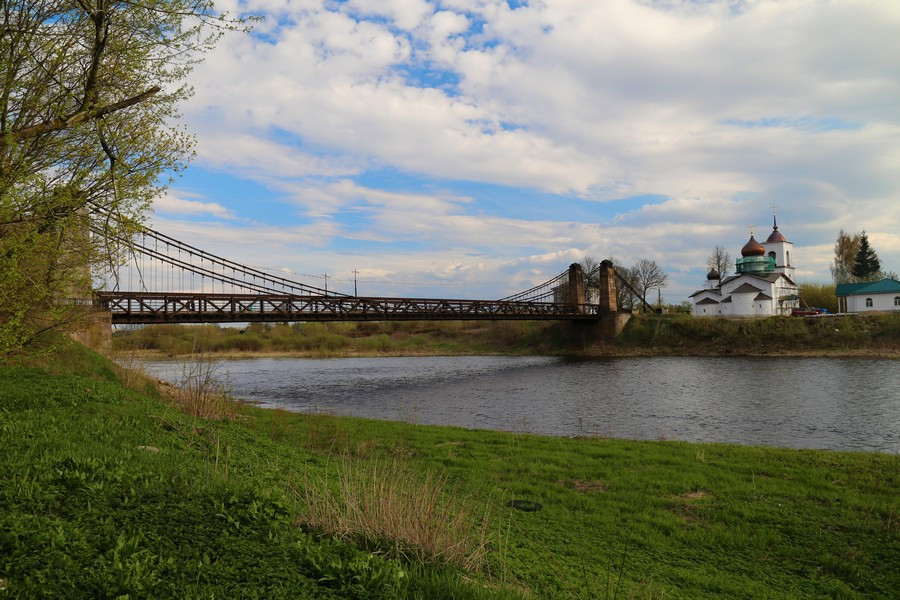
(476, 147)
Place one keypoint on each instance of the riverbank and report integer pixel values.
(875, 335)
(645, 335)
(111, 490)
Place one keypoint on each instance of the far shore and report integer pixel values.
(597, 352)
(867, 336)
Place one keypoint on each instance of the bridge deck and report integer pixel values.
(152, 307)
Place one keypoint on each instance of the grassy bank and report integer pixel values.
(108, 491)
(876, 335)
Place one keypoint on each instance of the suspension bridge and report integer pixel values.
(169, 281)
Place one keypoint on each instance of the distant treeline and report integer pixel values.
(341, 339)
(644, 334)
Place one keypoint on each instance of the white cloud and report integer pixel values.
(722, 108)
(172, 203)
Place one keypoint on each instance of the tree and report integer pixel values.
(625, 298)
(88, 100)
(866, 265)
(649, 275)
(845, 249)
(720, 260)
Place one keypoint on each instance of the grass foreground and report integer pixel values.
(111, 491)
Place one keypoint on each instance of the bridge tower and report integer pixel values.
(575, 291)
(610, 321)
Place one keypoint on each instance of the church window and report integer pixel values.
(896, 300)
(772, 255)
(787, 258)
(868, 302)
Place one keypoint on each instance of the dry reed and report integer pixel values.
(386, 506)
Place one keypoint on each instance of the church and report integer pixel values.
(763, 286)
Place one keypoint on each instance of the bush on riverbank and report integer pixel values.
(107, 492)
(338, 339)
(774, 335)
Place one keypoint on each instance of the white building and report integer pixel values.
(869, 296)
(763, 286)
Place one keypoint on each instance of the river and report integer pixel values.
(833, 403)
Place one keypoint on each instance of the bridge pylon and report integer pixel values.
(610, 321)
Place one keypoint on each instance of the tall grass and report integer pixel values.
(411, 514)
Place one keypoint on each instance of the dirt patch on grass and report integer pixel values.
(688, 504)
(695, 495)
(583, 486)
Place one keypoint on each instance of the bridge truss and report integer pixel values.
(179, 283)
(149, 307)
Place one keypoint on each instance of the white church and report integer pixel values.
(763, 286)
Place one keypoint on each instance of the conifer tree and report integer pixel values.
(866, 264)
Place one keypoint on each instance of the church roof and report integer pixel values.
(775, 236)
(708, 301)
(713, 291)
(885, 286)
(744, 288)
(763, 296)
(752, 248)
(728, 299)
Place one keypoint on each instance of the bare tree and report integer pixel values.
(720, 260)
(624, 297)
(649, 275)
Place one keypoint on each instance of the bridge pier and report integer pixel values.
(94, 330)
(610, 321)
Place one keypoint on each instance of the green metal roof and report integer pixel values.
(885, 286)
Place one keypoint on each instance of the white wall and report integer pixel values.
(879, 302)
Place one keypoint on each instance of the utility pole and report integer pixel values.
(355, 293)
(326, 283)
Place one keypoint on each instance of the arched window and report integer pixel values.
(868, 302)
(896, 300)
(787, 258)
(772, 255)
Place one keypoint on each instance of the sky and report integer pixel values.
(474, 148)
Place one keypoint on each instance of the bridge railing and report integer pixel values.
(149, 307)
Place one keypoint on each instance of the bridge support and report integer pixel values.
(575, 291)
(610, 321)
(94, 330)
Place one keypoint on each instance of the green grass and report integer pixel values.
(89, 508)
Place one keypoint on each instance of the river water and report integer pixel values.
(834, 403)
